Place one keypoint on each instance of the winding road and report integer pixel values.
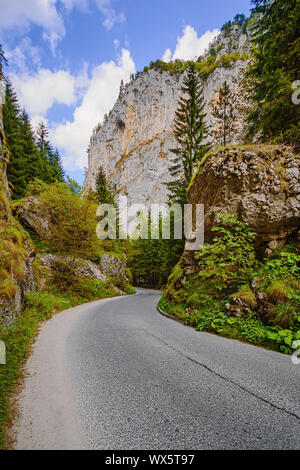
(116, 374)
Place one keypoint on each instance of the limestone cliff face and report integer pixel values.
(132, 146)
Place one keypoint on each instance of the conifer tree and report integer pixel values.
(224, 114)
(104, 193)
(30, 154)
(11, 121)
(43, 145)
(56, 169)
(50, 158)
(190, 131)
(274, 69)
(3, 60)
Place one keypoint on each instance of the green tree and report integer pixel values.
(74, 187)
(274, 69)
(239, 19)
(30, 155)
(190, 131)
(12, 128)
(51, 162)
(56, 169)
(104, 192)
(224, 114)
(3, 60)
(72, 222)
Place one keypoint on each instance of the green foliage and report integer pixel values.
(250, 329)
(29, 159)
(51, 161)
(72, 222)
(268, 290)
(190, 131)
(274, 68)
(74, 187)
(231, 256)
(121, 283)
(35, 187)
(203, 66)
(104, 193)
(151, 260)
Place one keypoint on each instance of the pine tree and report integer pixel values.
(12, 128)
(104, 193)
(224, 114)
(43, 146)
(51, 161)
(190, 131)
(56, 169)
(274, 69)
(3, 60)
(30, 154)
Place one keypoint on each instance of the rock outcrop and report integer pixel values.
(133, 145)
(31, 218)
(260, 184)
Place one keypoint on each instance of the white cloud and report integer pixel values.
(23, 55)
(167, 55)
(189, 45)
(110, 15)
(39, 92)
(20, 13)
(73, 137)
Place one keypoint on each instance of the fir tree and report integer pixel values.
(51, 161)
(104, 193)
(3, 60)
(30, 154)
(224, 114)
(274, 69)
(56, 169)
(190, 131)
(44, 148)
(12, 128)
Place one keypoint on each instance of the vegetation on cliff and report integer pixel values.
(236, 295)
(273, 70)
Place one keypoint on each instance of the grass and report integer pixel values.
(19, 337)
(248, 329)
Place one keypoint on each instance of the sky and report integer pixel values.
(68, 57)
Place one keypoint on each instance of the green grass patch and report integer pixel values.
(249, 329)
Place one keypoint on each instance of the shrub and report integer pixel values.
(230, 258)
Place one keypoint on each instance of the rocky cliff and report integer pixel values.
(132, 145)
(259, 183)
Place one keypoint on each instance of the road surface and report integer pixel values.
(116, 374)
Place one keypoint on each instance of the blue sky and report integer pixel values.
(67, 57)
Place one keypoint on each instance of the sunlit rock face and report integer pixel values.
(133, 145)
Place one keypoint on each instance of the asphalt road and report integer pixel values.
(117, 374)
